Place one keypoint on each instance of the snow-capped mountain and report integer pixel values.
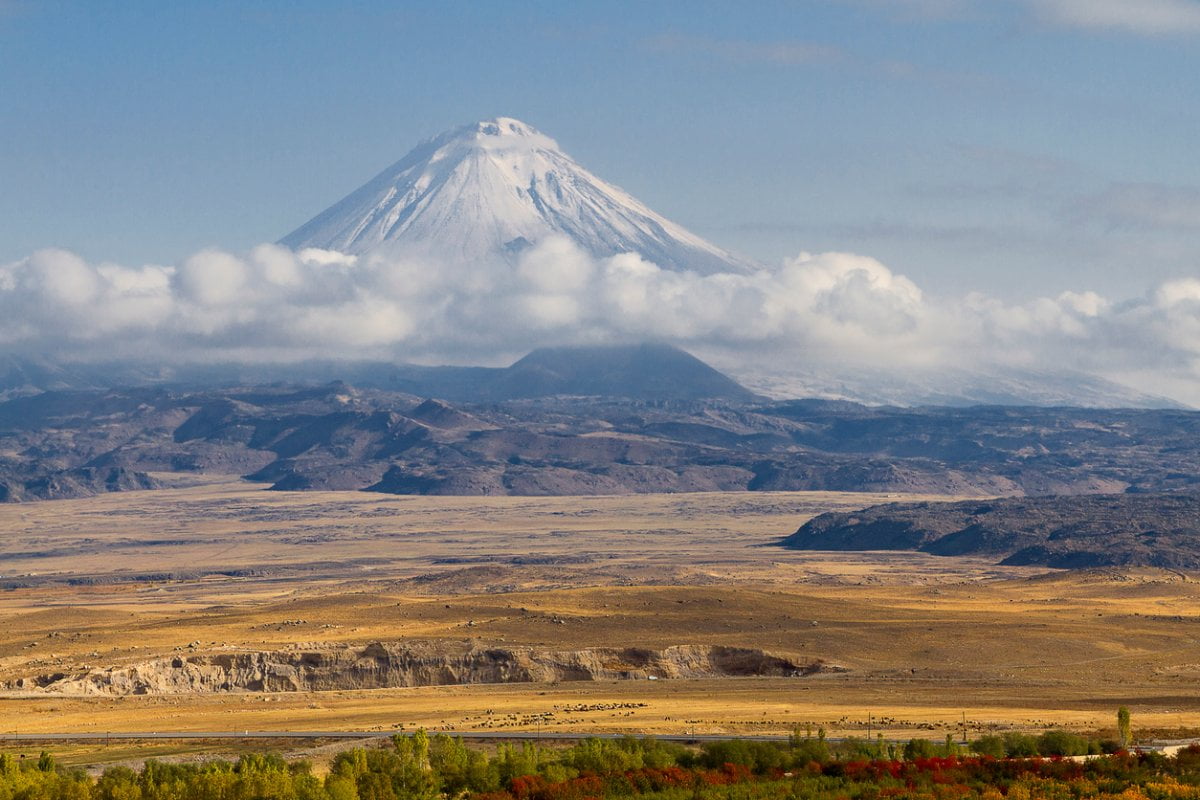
(492, 188)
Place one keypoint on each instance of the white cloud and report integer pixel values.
(1143, 17)
(61, 278)
(1136, 17)
(211, 278)
(1178, 293)
(837, 309)
(555, 266)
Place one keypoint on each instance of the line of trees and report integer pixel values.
(421, 767)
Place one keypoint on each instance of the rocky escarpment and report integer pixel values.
(383, 666)
(1120, 530)
(52, 484)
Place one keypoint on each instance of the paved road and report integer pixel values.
(12, 736)
(1167, 748)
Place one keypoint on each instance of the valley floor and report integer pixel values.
(906, 643)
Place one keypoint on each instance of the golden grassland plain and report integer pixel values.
(926, 642)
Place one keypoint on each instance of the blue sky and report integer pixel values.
(1016, 147)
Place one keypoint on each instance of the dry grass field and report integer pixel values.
(226, 567)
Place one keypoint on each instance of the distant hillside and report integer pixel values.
(339, 436)
(1153, 530)
(646, 371)
(637, 372)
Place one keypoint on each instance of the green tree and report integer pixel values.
(1061, 743)
(118, 783)
(919, 748)
(412, 777)
(459, 768)
(1020, 745)
(799, 734)
(1124, 727)
(760, 757)
(513, 762)
(990, 746)
(655, 753)
(602, 757)
(341, 787)
(375, 786)
(809, 750)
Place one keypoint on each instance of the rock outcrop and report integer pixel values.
(392, 665)
(1160, 530)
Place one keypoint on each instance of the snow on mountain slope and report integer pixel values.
(944, 386)
(493, 188)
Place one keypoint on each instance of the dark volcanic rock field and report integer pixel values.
(1155, 530)
(73, 443)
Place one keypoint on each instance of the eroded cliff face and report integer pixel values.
(391, 665)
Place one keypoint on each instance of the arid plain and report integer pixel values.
(907, 644)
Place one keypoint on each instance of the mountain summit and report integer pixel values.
(489, 190)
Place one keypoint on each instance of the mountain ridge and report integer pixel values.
(339, 436)
(25, 376)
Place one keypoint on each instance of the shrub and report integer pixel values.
(1020, 745)
(919, 748)
(759, 757)
(1061, 743)
(992, 746)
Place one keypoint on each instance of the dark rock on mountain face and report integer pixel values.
(76, 482)
(637, 372)
(27, 375)
(1154, 530)
(647, 372)
(338, 436)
